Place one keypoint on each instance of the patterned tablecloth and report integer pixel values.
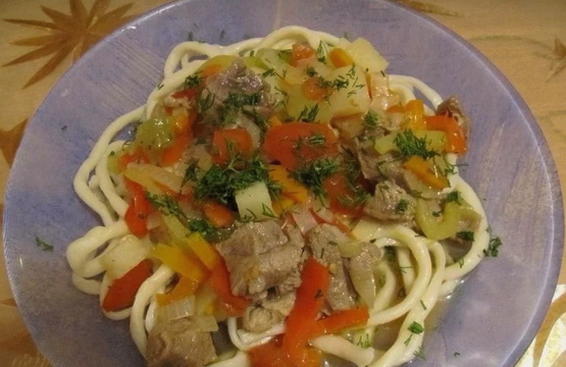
(40, 39)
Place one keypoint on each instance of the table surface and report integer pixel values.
(525, 39)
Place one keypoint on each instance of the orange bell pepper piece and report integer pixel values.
(290, 187)
(313, 90)
(340, 57)
(301, 51)
(184, 287)
(225, 139)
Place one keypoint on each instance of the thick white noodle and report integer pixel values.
(424, 282)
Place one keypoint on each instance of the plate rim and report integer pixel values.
(556, 247)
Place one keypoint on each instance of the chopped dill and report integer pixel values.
(42, 245)
(314, 173)
(409, 145)
(493, 247)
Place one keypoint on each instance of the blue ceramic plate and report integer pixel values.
(492, 317)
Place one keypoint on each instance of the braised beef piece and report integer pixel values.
(323, 241)
(177, 343)
(260, 256)
(390, 202)
(236, 93)
(271, 311)
(451, 107)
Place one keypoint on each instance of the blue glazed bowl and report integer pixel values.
(492, 317)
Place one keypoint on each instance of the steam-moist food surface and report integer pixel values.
(350, 98)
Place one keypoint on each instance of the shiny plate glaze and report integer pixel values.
(491, 318)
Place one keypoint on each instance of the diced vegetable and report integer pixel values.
(228, 142)
(304, 219)
(122, 291)
(435, 141)
(364, 55)
(456, 137)
(154, 134)
(205, 298)
(176, 310)
(365, 285)
(341, 320)
(353, 95)
(313, 90)
(174, 151)
(350, 248)
(150, 177)
(203, 250)
(220, 282)
(340, 57)
(128, 252)
(301, 322)
(254, 202)
(343, 196)
(184, 288)
(215, 65)
(289, 186)
(446, 225)
(425, 171)
(138, 210)
(218, 214)
(295, 142)
(180, 262)
(414, 112)
(205, 323)
(301, 51)
(270, 354)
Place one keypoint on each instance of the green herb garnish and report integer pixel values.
(401, 206)
(416, 328)
(43, 246)
(465, 235)
(493, 247)
(314, 173)
(409, 145)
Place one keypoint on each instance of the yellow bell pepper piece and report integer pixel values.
(281, 204)
(180, 261)
(204, 251)
(184, 287)
(414, 112)
(425, 171)
(290, 187)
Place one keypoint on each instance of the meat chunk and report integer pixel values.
(259, 256)
(259, 318)
(451, 107)
(235, 94)
(323, 241)
(390, 202)
(178, 343)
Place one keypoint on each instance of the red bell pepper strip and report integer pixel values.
(122, 291)
(301, 322)
(455, 136)
(220, 282)
(139, 209)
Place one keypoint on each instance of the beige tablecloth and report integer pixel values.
(39, 40)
